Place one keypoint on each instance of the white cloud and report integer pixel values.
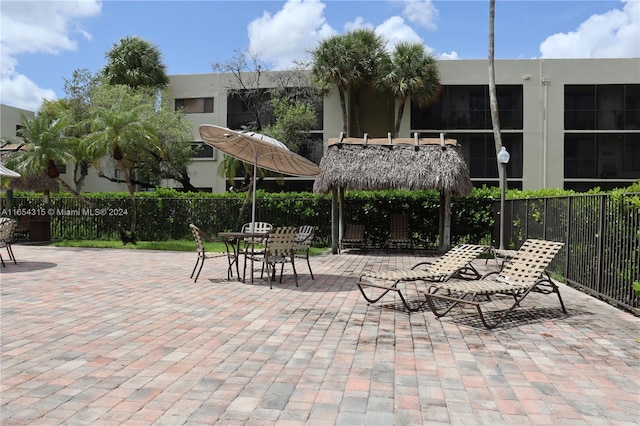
(421, 12)
(394, 30)
(447, 56)
(357, 24)
(289, 34)
(32, 27)
(614, 34)
(298, 27)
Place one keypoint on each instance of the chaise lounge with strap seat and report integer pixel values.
(524, 273)
(454, 263)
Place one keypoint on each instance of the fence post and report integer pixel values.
(600, 242)
(567, 238)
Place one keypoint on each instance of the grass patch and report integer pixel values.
(171, 245)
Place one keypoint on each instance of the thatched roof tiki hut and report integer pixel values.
(386, 163)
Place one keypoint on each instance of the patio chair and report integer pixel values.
(521, 275)
(399, 235)
(454, 263)
(200, 237)
(254, 246)
(7, 228)
(278, 251)
(21, 232)
(303, 244)
(353, 237)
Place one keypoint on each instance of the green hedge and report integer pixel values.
(165, 214)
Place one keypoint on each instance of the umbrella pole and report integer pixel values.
(253, 204)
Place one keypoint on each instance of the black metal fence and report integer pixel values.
(602, 240)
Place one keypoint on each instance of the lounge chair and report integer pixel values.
(200, 238)
(303, 244)
(399, 235)
(522, 274)
(454, 263)
(353, 237)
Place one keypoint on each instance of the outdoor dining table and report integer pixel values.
(236, 237)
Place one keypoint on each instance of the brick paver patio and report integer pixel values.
(111, 337)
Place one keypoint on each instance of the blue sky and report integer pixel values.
(43, 42)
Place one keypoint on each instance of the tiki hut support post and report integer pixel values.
(341, 214)
(335, 229)
(445, 220)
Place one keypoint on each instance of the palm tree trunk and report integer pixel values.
(399, 117)
(358, 113)
(132, 194)
(345, 117)
(493, 98)
(75, 193)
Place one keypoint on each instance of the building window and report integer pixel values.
(202, 150)
(632, 156)
(468, 107)
(195, 105)
(580, 156)
(602, 107)
(601, 156)
(479, 152)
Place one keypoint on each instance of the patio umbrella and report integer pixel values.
(260, 150)
(7, 172)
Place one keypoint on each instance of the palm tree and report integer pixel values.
(118, 129)
(333, 66)
(495, 117)
(411, 73)
(349, 62)
(368, 57)
(136, 63)
(45, 146)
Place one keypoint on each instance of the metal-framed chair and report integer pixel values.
(524, 273)
(254, 246)
(200, 237)
(7, 228)
(353, 237)
(279, 251)
(399, 235)
(303, 244)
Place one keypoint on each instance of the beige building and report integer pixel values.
(567, 123)
(10, 121)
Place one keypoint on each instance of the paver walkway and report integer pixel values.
(111, 337)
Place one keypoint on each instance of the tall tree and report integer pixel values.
(135, 62)
(119, 129)
(62, 109)
(46, 146)
(369, 57)
(493, 98)
(350, 62)
(247, 70)
(333, 66)
(411, 73)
